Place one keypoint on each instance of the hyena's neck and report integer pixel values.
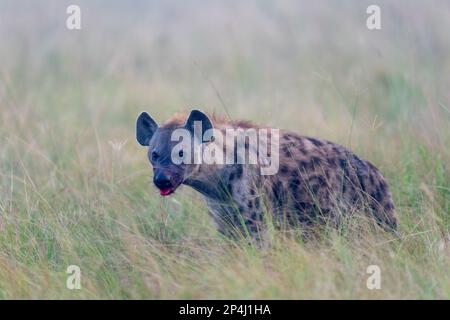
(214, 181)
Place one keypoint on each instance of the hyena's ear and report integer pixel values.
(198, 117)
(145, 128)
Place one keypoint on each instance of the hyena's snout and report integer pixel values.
(162, 181)
(166, 181)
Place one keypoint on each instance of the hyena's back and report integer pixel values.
(318, 177)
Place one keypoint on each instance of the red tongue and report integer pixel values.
(165, 192)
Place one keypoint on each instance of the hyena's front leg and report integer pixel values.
(237, 221)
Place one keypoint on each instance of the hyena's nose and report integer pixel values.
(162, 181)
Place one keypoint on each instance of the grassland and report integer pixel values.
(75, 186)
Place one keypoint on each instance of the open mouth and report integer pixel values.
(166, 185)
(166, 191)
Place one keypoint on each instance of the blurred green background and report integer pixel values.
(75, 187)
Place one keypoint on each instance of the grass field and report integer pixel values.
(75, 187)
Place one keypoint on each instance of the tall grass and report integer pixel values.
(71, 195)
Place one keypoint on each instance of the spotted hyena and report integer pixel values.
(315, 181)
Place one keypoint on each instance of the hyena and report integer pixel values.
(316, 181)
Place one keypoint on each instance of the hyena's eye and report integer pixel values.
(155, 155)
(181, 153)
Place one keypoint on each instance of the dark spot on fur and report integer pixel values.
(332, 162)
(284, 169)
(388, 206)
(343, 164)
(239, 171)
(319, 180)
(305, 166)
(294, 183)
(315, 142)
(378, 196)
(383, 186)
(302, 206)
(316, 162)
(372, 180)
(314, 185)
(361, 180)
(277, 192)
(286, 150)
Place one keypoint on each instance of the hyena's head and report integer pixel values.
(166, 154)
